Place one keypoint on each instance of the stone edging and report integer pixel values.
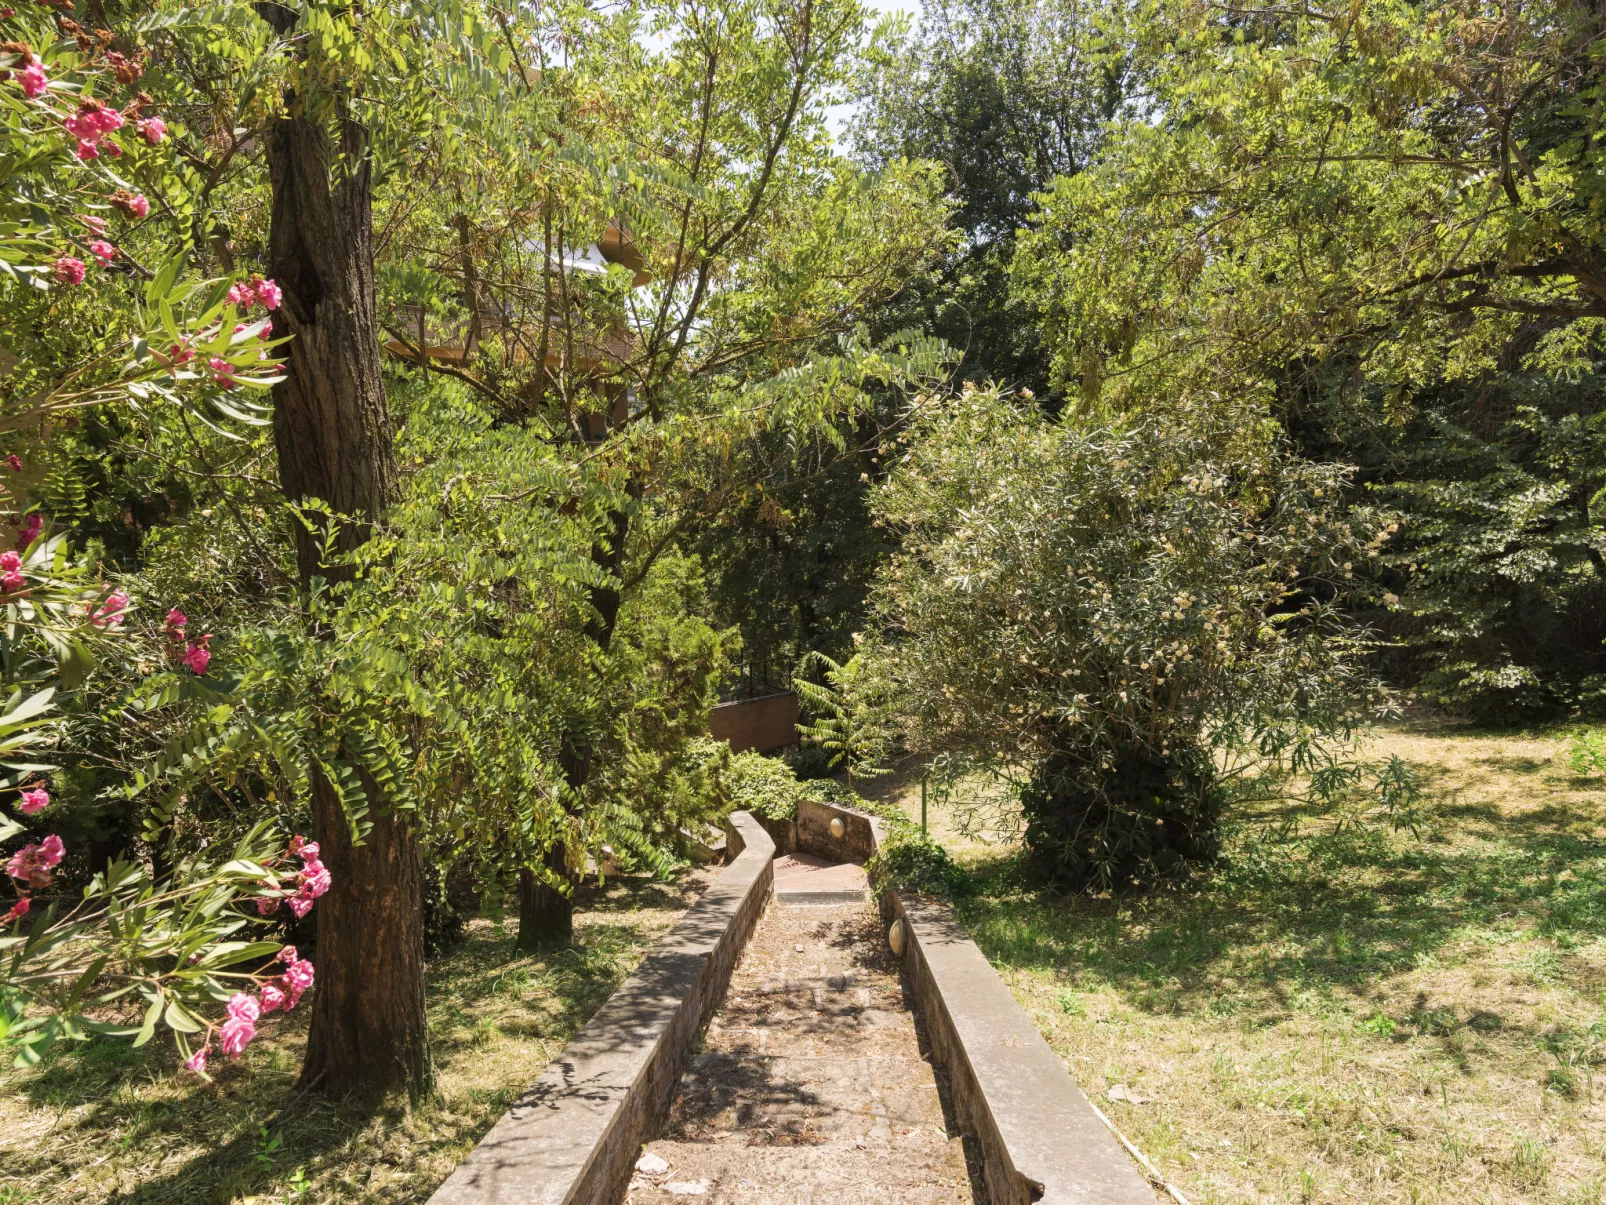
(573, 1138)
(1040, 1139)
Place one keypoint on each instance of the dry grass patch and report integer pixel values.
(107, 1124)
(1359, 1016)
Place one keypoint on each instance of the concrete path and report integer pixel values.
(809, 1087)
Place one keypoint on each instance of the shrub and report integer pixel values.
(1119, 616)
(911, 861)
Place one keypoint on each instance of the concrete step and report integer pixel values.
(917, 1168)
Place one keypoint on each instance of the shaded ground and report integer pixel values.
(105, 1123)
(1366, 1016)
(810, 1086)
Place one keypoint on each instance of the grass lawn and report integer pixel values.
(106, 1123)
(1361, 1016)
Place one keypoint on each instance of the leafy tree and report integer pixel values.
(1125, 617)
(849, 714)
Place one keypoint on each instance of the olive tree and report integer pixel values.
(1123, 615)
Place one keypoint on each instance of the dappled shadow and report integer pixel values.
(251, 1130)
(1328, 913)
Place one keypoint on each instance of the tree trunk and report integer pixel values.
(548, 915)
(332, 429)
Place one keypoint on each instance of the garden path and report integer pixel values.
(810, 1085)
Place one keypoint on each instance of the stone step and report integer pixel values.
(917, 1168)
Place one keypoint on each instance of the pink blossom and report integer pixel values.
(314, 881)
(236, 1035)
(12, 582)
(106, 118)
(267, 905)
(32, 78)
(197, 1061)
(86, 150)
(81, 127)
(98, 225)
(32, 864)
(197, 657)
(139, 206)
(241, 294)
(300, 904)
(286, 955)
(15, 462)
(70, 271)
(268, 294)
(241, 1006)
(224, 372)
(30, 530)
(182, 353)
(272, 998)
(10, 561)
(103, 251)
(153, 130)
(175, 618)
(300, 847)
(297, 979)
(19, 909)
(34, 801)
(112, 149)
(110, 612)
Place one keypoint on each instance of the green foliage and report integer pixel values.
(911, 861)
(1123, 617)
(850, 714)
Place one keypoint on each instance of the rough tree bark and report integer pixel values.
(368, 1030)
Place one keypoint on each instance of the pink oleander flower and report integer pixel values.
(297, 980)
(268, 294)
(33, 79)
(34, 801)
(236, 1035)
(86, 150)
(81, 127)
(176, 618)
(139, 206)
(182, 353)
(300, 847)
(299, 904)
(240, 1005)
(110, 612)
(197, 657)
(272, 998)
(112, 149)
(224, 371)
(103, 251)
(241, 295)
(10, 561)
(70, 271)
(98, 225)
(12, 582)
(197, 1061)
(106, 119)
(30, 530)
(32, 864)
(153, 130)
(286, 955)
(14, 462)
(19, 909)
(267, 905)
(314, 881)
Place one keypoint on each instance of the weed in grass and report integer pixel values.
(1528, 1161)
(1071, 1005)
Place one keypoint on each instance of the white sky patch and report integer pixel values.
(837, 116)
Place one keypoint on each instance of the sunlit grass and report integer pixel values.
(106, 1123)
(1359, 1016)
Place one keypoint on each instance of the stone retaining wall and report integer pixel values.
(1039, 1138)
(573, 1138)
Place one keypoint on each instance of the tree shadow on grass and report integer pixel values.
(1328, 914)
(137, 1105)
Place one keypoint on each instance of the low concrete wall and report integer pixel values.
(573, 1138)
(1040, 1140)
(765, 724)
